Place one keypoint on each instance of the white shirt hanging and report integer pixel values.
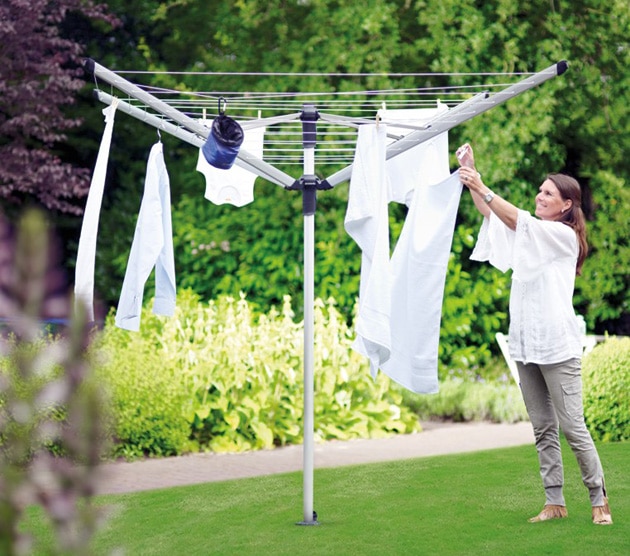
(367, 223)
(424, 164)
(418, 267)
(152, 247)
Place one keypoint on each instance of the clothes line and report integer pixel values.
(251, 162)
(277, 150)
(284, 148)
(188, 126)
(462, 113)
(357, 100)
(268, 172)
(321, 74)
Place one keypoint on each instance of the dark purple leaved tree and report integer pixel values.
(40, 74)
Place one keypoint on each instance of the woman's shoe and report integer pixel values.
(550, 511)
(601, 514)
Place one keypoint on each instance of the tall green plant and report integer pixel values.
(148, 395)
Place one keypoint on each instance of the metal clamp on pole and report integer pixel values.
(309, 128)
(309, 185)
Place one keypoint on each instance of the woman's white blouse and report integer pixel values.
(542, 256)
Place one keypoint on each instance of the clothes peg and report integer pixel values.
(222, 111)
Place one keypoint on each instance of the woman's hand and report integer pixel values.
(485, 200)
(467, 172)
(472, 180)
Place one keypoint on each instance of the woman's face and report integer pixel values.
(549, 203)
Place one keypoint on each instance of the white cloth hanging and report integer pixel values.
(152, 247)
(366, 221)
(236, 185)
(86, 253)
(424, 164)
(400, 300)
(418, 267)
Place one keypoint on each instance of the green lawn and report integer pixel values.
(472, 504)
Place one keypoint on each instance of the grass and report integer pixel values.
(470, 504)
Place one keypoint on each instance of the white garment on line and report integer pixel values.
(236, 185)
(400, 301)
(366, 221)
(86, 253)
(152, 247)
(418, 268)
(424, 164)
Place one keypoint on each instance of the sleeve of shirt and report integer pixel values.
(148, 241)
(526, 250)
(495, 243)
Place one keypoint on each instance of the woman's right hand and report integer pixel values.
(465, 156)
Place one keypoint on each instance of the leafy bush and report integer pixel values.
(232, 381)
(473, 311)
(606, 377)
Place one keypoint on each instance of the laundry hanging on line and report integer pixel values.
(86, 253)
(152, 246)
(400, 299)
(425, 164)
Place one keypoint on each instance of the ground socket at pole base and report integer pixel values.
(314, 522)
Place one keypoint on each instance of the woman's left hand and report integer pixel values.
(471, 179)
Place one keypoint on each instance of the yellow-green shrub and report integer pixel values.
(469, 400)
(606, 378)
(233, 381)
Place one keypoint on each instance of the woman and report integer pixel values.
(545, 254)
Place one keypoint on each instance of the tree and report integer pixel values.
(576, 123)
(40, 73)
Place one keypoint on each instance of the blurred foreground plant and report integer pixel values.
(48, 399)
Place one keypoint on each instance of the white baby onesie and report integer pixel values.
(152, 246)
(236, 185)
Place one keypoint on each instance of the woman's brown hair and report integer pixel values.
(569, 189)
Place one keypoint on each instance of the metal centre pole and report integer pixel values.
(309, 200)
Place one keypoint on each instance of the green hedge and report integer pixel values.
(147, 396)
(606, 378)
